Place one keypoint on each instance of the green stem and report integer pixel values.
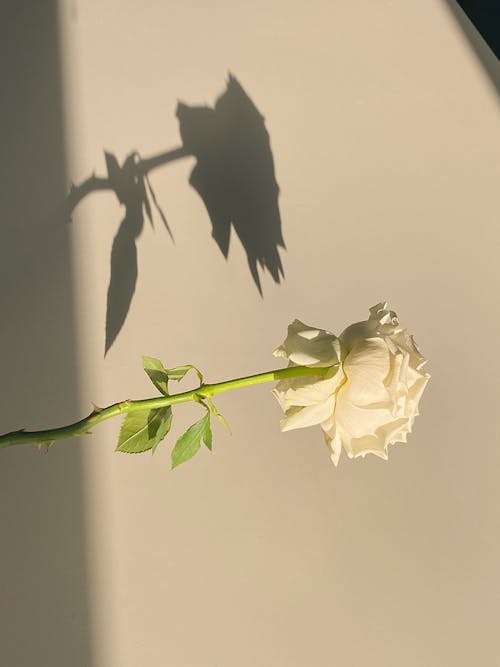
(101, 414)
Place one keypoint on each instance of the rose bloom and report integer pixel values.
(369, 397)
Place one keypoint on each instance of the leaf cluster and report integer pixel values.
(143, 430)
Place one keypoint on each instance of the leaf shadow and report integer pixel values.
(130, 189)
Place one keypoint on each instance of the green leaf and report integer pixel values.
(179, 372)
(207, 434)
(215, 412)
(157, 373)
(159, 423)
(190, 442)
(144, 430)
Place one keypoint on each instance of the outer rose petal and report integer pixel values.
(311, 403)
(335, 443)
(416, 390)
(308, 416)
(309, 346)
(359, 421)
(378, 442)
(381, 321)
(406, 342)
(314, 392)
(366, 367)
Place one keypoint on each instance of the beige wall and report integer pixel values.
(384, 129)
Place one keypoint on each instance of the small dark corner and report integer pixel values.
(480, 23)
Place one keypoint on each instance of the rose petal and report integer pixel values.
(309, 346)
(314, 392)
(366, 367)
(359, 421)
(311, 415)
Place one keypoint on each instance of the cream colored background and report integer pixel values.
(384, 129)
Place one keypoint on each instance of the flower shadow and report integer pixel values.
(234, 175)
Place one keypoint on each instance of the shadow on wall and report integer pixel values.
(44, 617)
(234, 176)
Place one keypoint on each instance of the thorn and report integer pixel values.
(48, 444)
(96, 407)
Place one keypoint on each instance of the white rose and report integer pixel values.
(369, 397)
